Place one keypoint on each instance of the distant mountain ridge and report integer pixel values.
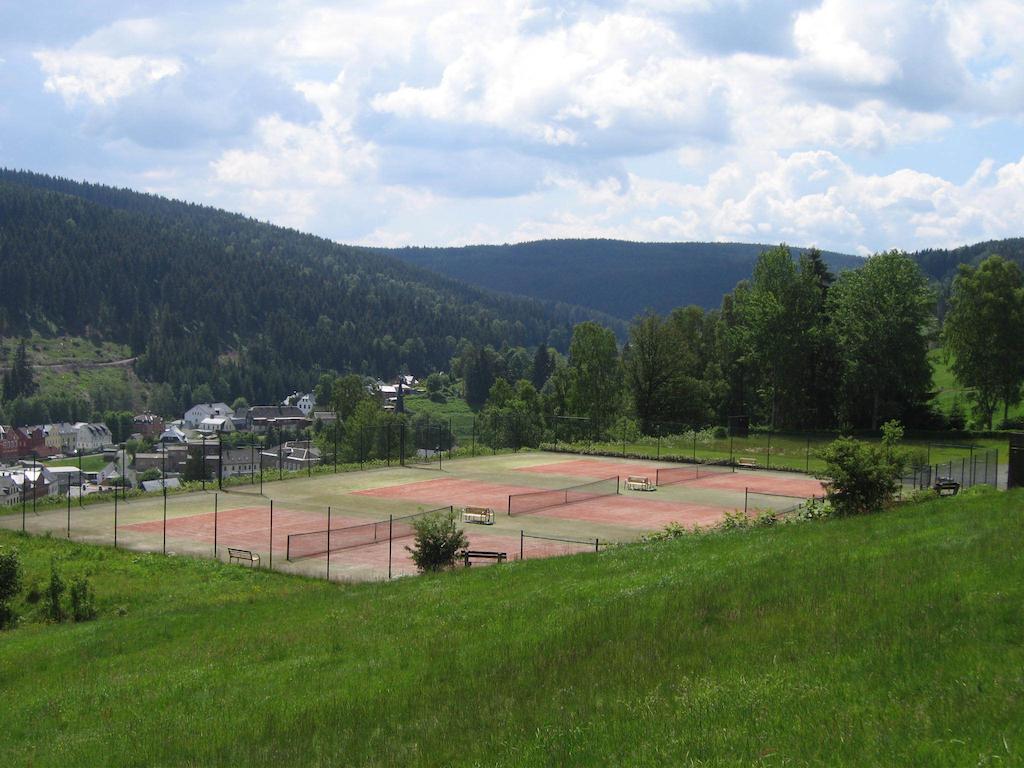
(619, 277)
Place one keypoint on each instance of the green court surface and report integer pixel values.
(208, 524)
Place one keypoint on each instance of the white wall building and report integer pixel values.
(194, 416)
(306, 404)
(90, 438)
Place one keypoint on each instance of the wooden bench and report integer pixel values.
(946, 486)
(243, 556)
(482, 515)
(469, 555)
(746, 461)
(639, 483)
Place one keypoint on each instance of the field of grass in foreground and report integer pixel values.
(896, 639)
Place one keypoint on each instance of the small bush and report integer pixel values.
(33, 592)
(438, 541)
(10, 585)
(52, 607)
(813, 509)
(83, 601)
(865, 477)
(668, 533)
(922, 494)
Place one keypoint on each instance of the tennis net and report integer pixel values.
(313, 543)
(532, 501)
(689, 473)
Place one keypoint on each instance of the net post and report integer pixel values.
(522, 537)
(391, 522)
(746, 495)
(617, 478)
(510, 505)
(272, 534)
(597, 545)
(328, 543)
(216, 498)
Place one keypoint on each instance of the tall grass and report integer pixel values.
(888, 640)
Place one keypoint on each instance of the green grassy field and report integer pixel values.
(948, 389)
(779, 451)
(92, 463)
(888, 640)
(51, 350)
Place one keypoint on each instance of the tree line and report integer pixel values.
(794, 348)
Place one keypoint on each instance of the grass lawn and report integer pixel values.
(948, 389)
(894, 639)
(780, 451)
(49, 350)
(91, 463)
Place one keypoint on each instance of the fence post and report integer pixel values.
(694, 444)
(597, 545)
(658, 454)
(522, 536)
(328, 543)
(391, 522)
(335, 445)
(746, 494)
(807, 454)
(623, 437)
(163, 481)
(69, 509)
(271, 534)
(115, 524)
(387, 441)
(216, 497)
(768, 464)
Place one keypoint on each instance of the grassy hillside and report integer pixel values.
(621, 278)
(894, 639)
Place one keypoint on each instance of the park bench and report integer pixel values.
(482, 515)
(746, 461)
(946, 486)
(469, 555)
(639, 483)
(243, 556)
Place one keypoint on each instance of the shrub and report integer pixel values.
(150, 474)
(52, 596)
(813, 509)
(10, 585)
(83, 601)
(668, 533)
(865, 477)
(438, 541)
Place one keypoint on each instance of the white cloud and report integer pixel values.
(101, 79)
(434, 121)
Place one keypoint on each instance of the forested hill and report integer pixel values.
(615, 276)
(205, 296)
(941, 265)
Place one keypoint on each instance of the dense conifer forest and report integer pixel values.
(202, 296)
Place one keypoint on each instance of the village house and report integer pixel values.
(262, 417)
(291, 456)
(8, 444)
(91, 438)
(194, 416)
(149, 425)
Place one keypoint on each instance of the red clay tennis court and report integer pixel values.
(247, 528)
(593, 468)
(628, 511)
(443, 491)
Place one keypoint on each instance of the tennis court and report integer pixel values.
(559, 504)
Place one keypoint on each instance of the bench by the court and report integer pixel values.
(639, 483)
(243, 556)
(746, 461)
(946, 486)
(482, 515)
(469, 555)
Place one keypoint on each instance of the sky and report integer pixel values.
(853, 125)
